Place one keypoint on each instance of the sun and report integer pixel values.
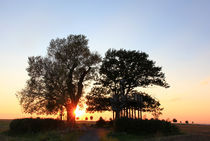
(79, 112)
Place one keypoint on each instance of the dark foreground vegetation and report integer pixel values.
(131, 126)
(31, 125)
(104, 132)
(142, 127)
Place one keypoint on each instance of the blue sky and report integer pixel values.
(176, 34)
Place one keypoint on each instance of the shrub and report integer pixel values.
(30, 125)
(175, 120)
(101, 122)
(138, 126)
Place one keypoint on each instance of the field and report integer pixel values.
(193, 132)
(46, 136)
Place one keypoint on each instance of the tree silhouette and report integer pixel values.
(175, 120)
(99, 100)
(121, 72)
(56, 81)
(156, 112)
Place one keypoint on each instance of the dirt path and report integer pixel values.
(93, 134)
(4, 138)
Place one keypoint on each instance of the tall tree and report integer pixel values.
(123, 70)
(56, 81)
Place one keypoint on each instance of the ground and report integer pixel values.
(193, 132)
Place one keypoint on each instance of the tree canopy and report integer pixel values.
(132, 69)
(121, 72)
(56, 81)
(98, 100)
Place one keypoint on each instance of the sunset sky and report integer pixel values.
(175, 34)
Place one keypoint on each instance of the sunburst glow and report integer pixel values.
(79, 112)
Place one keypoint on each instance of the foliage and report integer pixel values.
(30, 125)
(187, 122)
(175, 120)
(138, 126)
(121, 72)
(98, 100)
(131, 68)
(156, 112)
(56, 81)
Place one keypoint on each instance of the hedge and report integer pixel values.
(138, 126)
(31, 125)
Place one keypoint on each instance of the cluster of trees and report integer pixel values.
(99, 102)
(121, 73)
(57, 81)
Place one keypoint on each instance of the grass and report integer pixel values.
(4, 125)
(194, 129)
(44, 136)
(123, 137)
(132, 137)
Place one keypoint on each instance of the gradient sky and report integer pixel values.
(175, 34)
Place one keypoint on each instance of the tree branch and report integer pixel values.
(80, 85)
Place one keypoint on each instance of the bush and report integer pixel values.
(138, 126)
(30, 125)
(175, 120)
(187, 122)
(101, 122)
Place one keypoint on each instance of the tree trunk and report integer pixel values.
(113, 116)
(61, 114)
(132, 112)
(70, 114)
(117, 114)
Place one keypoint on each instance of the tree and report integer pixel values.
(123, 71)
(56, 81)
(99, 100)
(175, 120)
(157, 111)
(86, 118)
(91, 117)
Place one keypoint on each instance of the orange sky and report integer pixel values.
(178, 102)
